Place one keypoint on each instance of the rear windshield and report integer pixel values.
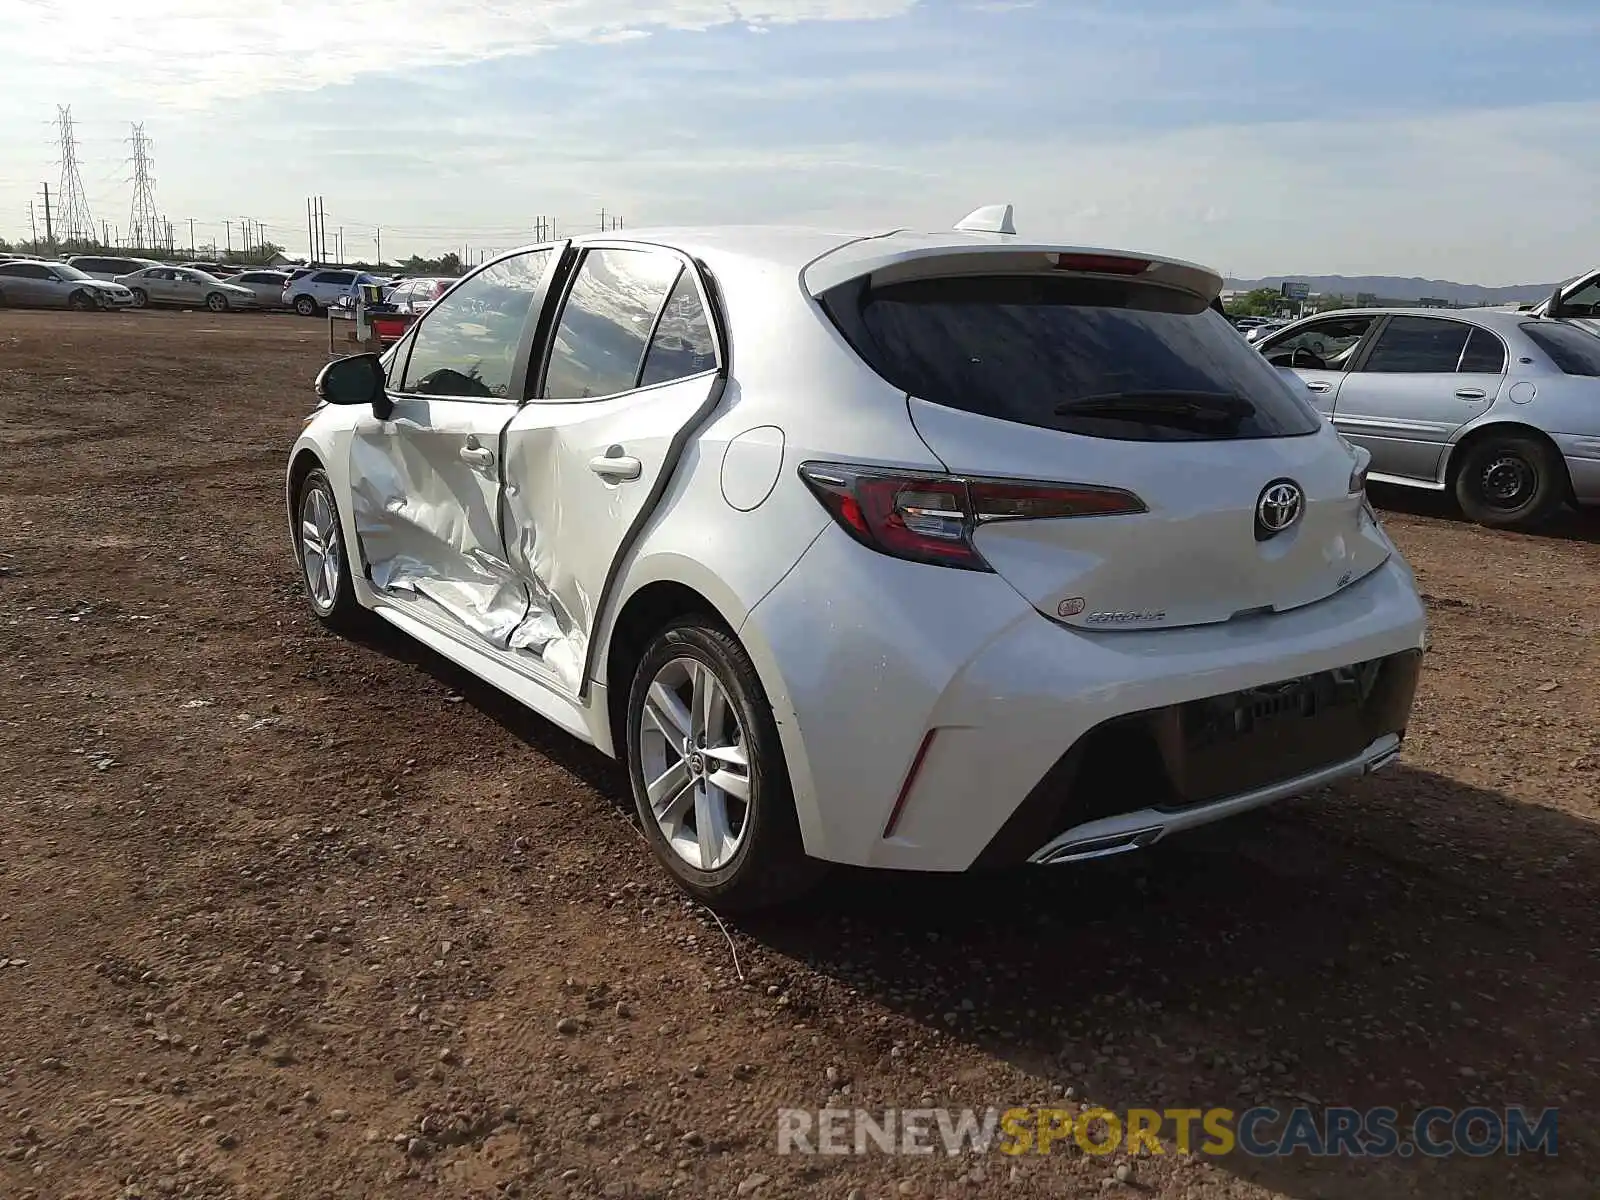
(1102, 358)
(1573, 350)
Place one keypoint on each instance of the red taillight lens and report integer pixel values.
(1102, 264)
(930, 518)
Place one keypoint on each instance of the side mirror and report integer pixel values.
(357, 379)
(1553, 307)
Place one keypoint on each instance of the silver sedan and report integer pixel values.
(186, 286)
(41, 284)
(1502, 409)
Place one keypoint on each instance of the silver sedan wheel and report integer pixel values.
(695, 763)
(321, 549)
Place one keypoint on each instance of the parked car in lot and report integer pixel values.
(316, 291)
(415, 296)
(34, 283)
(917, 551)
(266, 286)
(186, 286)
(109, 267)
(1579, 302)
(1500, 408)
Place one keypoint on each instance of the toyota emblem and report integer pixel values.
(1280, 505)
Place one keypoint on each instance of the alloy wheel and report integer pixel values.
(321, 549)
(695, 760)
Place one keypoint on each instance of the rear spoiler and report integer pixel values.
(885, 263)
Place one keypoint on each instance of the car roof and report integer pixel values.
(1489, 318)
(829, 257)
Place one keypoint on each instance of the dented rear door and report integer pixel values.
(632, 372)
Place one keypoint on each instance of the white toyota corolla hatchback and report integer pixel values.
(921, 551)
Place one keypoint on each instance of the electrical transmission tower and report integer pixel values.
(72, 205)
(144, 220)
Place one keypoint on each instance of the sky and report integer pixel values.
(1455, 139)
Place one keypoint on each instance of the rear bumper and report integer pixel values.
(877, 665)
(1582, 454)
(1146, 826)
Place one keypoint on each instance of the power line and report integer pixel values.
(77, 225)
(144, 220)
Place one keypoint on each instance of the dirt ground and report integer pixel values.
(283, 915)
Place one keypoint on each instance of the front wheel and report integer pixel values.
(81, 302)
(305, 306)
(1514, 481)
(217, 302)
(709, 778)
(141, 298)
(324, 565)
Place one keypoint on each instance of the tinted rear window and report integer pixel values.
(1100, 358)
(1573, 350)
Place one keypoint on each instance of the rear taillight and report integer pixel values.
(930, 518)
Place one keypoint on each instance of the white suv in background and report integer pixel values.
(916, 551)
(110, 266)
(322, 289)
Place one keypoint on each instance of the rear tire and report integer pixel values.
(324, 563)
(141, 298)
(1513, 481)
(217, 302)
(700, 729)
(305, 306)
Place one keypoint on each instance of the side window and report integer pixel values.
(1485, 354)
(1320, 346)
(682, 345)
(33, 271)
(606, 322)
(466, 346)
(1418, 345)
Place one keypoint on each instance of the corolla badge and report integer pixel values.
(1279, 506)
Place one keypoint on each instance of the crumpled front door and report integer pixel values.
(425, 495)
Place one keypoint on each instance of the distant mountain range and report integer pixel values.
(1396, 288)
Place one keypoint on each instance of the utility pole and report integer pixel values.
(105, 234)
(49, 228)
(33, 225)
(602, 220)
(380, 245)
(311, 241)
(322, 229)
(191, 237)
(227, 233)
(341, 244)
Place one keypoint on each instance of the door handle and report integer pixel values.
(1471, 393)
(478, 456)
(1319, 385)
(618, 468)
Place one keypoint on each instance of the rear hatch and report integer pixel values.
(1106, 371)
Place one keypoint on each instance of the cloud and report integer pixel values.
(178, 54)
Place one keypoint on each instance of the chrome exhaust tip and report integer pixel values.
(1101, 847)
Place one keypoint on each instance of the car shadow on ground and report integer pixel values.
(1405, 941)
(1570, 524)
(1377, 945)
